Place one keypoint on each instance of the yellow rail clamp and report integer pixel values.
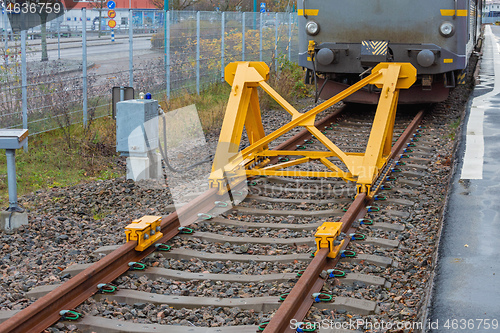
(231, 166)
(145, 231)
(328, 236)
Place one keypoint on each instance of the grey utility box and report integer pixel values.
(136, 121)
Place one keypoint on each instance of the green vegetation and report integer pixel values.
(288, 82)
(453, 128)
(456, 123)
(52, 162)
(211, 104)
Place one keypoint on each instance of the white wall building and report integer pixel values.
(491, 12)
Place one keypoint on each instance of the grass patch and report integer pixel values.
(210, 104)
(456, 123)
(453, 128)
(52, 161)
(99, 214)
(288, 83)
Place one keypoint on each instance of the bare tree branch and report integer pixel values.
(176, 4)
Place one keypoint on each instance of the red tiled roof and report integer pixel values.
(135, 4)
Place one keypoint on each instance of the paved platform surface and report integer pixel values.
(466, 295)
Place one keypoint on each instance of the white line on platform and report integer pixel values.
(472, 167)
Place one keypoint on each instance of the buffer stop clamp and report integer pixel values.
(145, 231)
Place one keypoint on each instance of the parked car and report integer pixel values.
(64, 30)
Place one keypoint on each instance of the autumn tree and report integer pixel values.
(226, 5)
(99, 5)
(280, 5)
(233, 5)
(175, 4)
(43, 35)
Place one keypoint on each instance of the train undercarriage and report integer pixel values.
(427, 89)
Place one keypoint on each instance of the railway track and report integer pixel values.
(251, 268)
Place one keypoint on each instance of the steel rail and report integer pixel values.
(45, 311)
(299, 138)
(299, 300)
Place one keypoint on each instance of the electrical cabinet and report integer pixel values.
(136, 126)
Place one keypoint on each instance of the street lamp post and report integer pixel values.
(254, 14)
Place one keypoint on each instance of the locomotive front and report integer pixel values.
(340, 41)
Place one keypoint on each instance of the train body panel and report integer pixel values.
(339, 40)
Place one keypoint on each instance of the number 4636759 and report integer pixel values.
(33, 8)
(471, 324)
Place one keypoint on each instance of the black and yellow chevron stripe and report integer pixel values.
(462, 77)
(375, 47)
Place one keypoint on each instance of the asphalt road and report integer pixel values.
(102, 50)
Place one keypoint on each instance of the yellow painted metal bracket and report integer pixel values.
(328, 236)
(231, 166)
(145, 231)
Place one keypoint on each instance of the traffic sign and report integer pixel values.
(262, 10)
(111, 4)
(112, 23)
(263, 5)
(111, 13)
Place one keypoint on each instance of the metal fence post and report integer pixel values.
(198, 52)
(276, 43)
(243, 37)
(24, 83)
(5, 35)
(290, 37)
(58, 39)
(260, 37)
(223, 33)
(167, 50)
(130, 50)
(84, 65)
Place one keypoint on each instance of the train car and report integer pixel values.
(340, 41)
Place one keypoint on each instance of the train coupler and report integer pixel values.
(145, 231)
(329, 235)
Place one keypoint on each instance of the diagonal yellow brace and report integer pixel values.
(379, 144)
(243, 111)
(287, 164)
(311, 154)
(284, 173)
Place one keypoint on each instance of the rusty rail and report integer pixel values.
(299, 300)
(45, 311)
(299, 138)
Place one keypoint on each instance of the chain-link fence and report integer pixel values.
(84, 61)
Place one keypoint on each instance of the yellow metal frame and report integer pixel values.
(145, 231)
(326, 235)
(232, 166)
